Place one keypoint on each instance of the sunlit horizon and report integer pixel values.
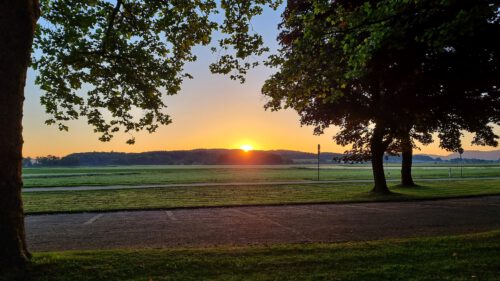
(211, 111)
(246, 147)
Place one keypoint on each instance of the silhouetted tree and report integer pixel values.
(101, 60)
(446, 68)
(389, 72)
(17, 26)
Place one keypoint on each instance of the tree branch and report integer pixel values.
(388, 18)
(111, 22)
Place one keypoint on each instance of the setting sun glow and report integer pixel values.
(246, 147)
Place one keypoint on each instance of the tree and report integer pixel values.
(456, 73)
(101, 60)
(321, 80)
(17, 26)
(437, 43)
(385, 73)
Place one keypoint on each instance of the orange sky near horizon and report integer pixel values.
(211, 111)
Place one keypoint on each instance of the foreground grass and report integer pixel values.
(467, 257)
(175, 197)
(133, 175)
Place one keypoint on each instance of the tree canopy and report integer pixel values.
(104, 60)
(382, 70)
(109, 61)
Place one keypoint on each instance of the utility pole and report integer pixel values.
(319, 150)
(460, 152)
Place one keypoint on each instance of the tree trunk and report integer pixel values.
(17, 22)
(407, 158)
(378, 148)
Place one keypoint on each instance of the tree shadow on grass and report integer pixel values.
(399, 192)
(381, 197)
(415, 186)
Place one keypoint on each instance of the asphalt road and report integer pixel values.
(200, 184)
(261, 225)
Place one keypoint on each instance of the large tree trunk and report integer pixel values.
(378, 148)
(407, 158)
(17, 23)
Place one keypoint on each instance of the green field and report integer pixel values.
(469, 257)
(175, 197)
(466, 257)
(180, 197)
(135, 175)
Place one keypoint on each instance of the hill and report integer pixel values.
(230, 157)
(180, 157)
(493, 155)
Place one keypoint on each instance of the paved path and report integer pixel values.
(72, 188)
(261, 225)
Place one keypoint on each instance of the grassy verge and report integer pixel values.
(177, 197)
(467, 257)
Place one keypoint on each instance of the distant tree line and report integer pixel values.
(215, 157)
(191, 157)
(50, 161)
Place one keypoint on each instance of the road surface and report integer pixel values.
(261, 225)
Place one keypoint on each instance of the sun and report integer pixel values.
(246, 147)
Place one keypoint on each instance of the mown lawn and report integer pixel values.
(135, 175)
(467, 257)
(175, 197)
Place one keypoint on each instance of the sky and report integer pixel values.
(211, 111)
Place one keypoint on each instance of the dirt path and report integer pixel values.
(262, 225)
(76, 188)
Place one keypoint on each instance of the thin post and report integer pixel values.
(319, 149)
(461, 165)
(460, 152)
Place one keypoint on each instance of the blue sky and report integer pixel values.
(211, 111)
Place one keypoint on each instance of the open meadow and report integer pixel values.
(139, 175)
(477, 180)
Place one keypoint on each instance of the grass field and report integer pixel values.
(175, 197)
(466, 257)
(134, 175)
